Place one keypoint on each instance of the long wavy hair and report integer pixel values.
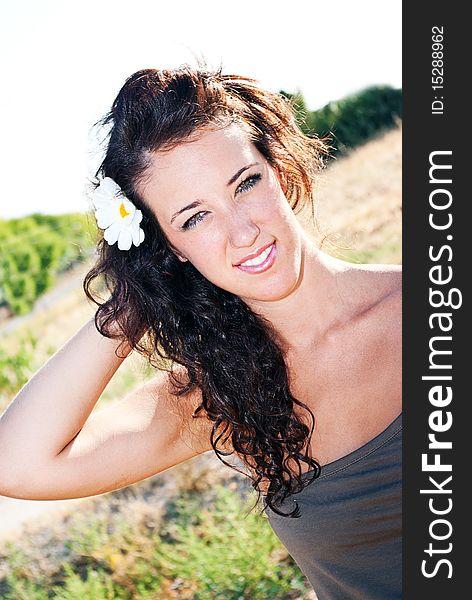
(232, 355)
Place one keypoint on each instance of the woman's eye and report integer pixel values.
(196, 218)
(248, 183)
(244, 186)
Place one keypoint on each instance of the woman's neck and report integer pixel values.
(315, 306)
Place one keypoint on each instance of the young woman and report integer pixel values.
(274, 350)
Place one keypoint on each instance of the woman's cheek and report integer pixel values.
(272, 209)
(206, 252)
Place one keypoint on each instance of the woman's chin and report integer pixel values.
(271, 292)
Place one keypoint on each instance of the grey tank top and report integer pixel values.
(347, 540)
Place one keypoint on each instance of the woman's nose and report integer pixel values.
(243, 231)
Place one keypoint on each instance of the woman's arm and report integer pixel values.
(52, 447)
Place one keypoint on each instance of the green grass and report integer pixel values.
(389, 252)
(15, 364)
(210, 546)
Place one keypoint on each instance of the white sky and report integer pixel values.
(63, 63)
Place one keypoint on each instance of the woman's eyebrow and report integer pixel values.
(188, 207)
(236, 175)
(198, 202)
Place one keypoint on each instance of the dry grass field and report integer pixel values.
(359, 202)
(359, 210)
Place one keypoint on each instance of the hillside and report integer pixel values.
(359, 201)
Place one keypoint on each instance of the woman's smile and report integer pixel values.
(259, 261)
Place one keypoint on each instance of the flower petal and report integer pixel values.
(105, 216)
(124, 239)
(137, 234)
(126, 221)
(138, 217)
(111, 234)
(110, 186)
(100, 202)
(105, 192)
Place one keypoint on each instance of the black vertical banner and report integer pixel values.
(437, 325)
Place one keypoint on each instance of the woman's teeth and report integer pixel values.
(258, 260)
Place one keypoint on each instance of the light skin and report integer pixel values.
(330, 314)
(340, 326)
(230, 221)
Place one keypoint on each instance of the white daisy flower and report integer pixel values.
(117, 215)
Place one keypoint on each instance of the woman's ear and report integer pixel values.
(180, 257)
(174, 250)
(282, 177)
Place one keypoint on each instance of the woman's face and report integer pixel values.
(222, 207)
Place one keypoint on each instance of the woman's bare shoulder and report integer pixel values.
(375, 293)
(386, 282)
(372, 289)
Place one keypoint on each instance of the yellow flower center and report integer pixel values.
(123, 211)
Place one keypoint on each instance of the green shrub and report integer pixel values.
(19, 292)
(16, 366)
(209, 547)
(226, 552)
(352, 120)
(355, 119)
(96, 585)
(25, 259)
(34, 250)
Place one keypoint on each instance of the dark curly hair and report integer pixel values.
(231, 354)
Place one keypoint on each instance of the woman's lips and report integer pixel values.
(267, 258)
